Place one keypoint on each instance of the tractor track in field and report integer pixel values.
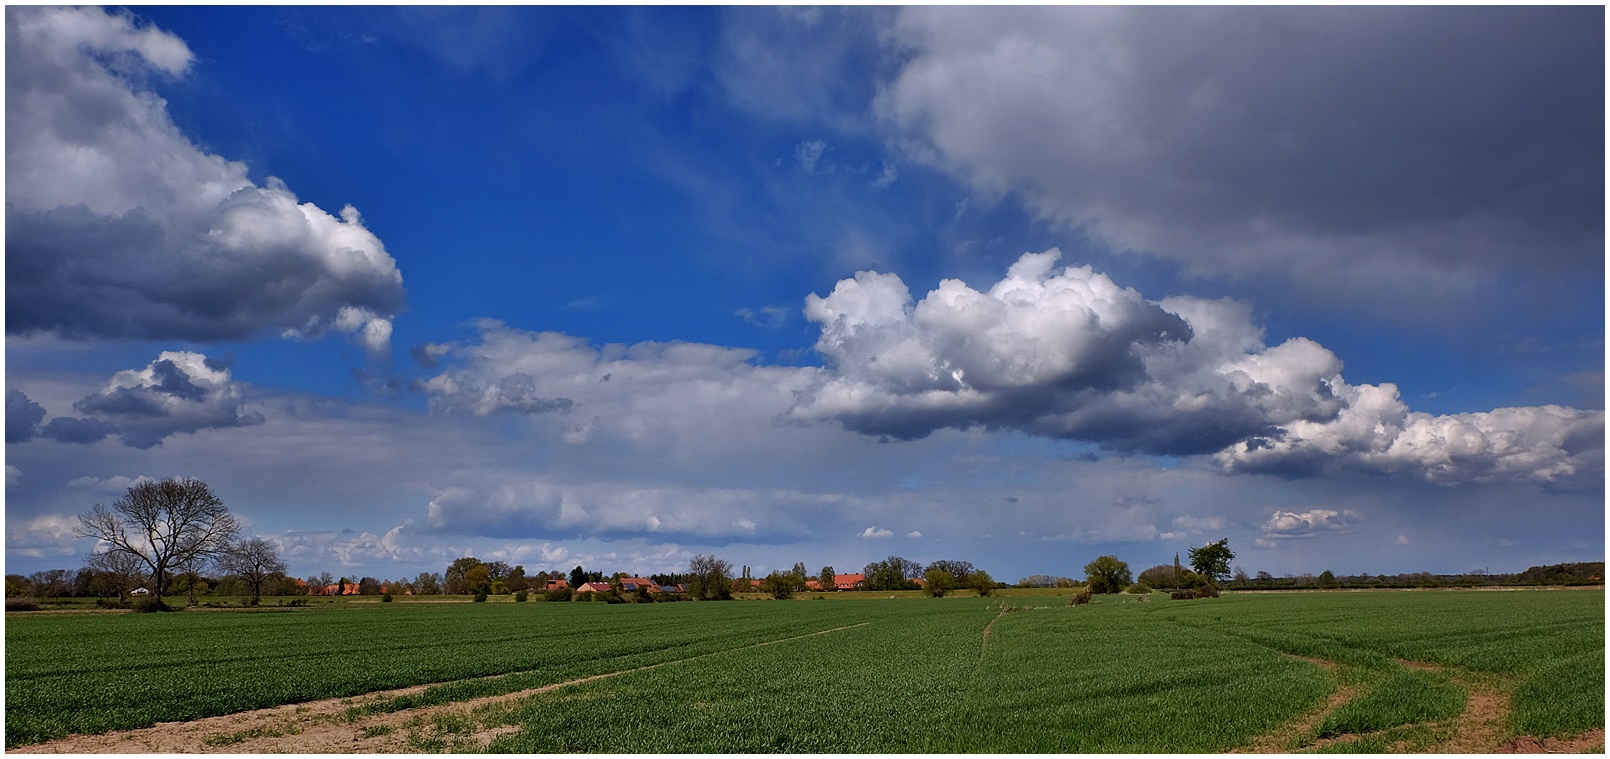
(1480, 728)
(1280, 739)
(339, 725)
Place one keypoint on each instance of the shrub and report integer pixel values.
(1083, 596)
(385, 598)
(109, 603)
(1182, 595)
(519, 598)
(1208, 590)
(152, 604)
(298, 602)
(480, 597)
(1139, 589)
(557, 594)
(21, 604)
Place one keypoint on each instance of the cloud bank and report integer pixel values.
(1062, 353)
(119, 227)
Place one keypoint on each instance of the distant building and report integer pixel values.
(849, 582)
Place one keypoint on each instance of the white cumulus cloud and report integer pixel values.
(119, 227)
(1289, 524)
(874, 532)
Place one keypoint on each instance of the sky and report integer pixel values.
(621, 286)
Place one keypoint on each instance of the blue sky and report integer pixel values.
(620, 286)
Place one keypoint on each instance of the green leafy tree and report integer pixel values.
(939, 582)
(826, 578)
(981, 582)
(1213, 560)
(453, 580)
(1326, 579)
(893, 573)
(779, 585)
(578, 577)
(1107, 575)
(478, 580)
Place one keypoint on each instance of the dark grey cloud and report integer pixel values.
(67, 429)
(119, 227)
(177, 393)
(1440, 146)
(22, 416)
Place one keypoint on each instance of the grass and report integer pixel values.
(906, 675)
(1407, 697)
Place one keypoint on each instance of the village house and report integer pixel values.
(849, 582)
(593, 587)
(558, 584)
(631, 584)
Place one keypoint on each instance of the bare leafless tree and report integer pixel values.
(117, 571)
(255, 560)
(165, 524)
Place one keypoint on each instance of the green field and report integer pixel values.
(879, 675)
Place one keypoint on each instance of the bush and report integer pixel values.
(520, 597)
(1182, 595)
(1083, 596)
(1208, 590)
(21, 604)
(480, 597)
(1139, 589)
(297, 602)
(151, 604)
(558, 594)
(108, 603)
(385, 598)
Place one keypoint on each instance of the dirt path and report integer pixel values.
(1281, 739)
(331, 726)
(985, 644)
(1480, 728)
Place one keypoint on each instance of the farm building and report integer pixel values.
(849, 582)
(593, 587)
(558, 584)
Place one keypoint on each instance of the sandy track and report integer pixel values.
(334, 726)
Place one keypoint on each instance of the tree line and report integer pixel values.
(175, 536)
